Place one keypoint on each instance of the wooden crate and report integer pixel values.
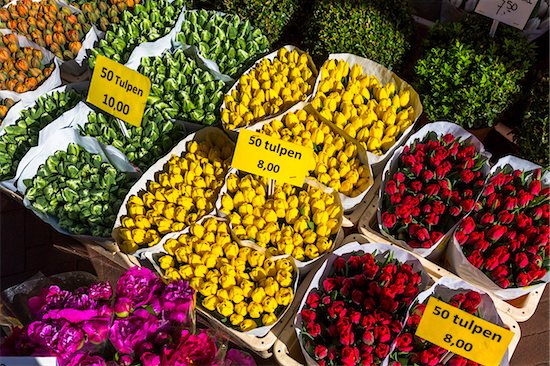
(520, 309)
(287, 351)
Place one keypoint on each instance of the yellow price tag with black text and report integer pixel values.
(119, 90)
(463, 334)
(273, 158)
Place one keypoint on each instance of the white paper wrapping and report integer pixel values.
(460, 264)
(441, 129)
(150, 174)
(303, 266)
(384, 76)
(346, 251)
(348, 203)
(153, 253)
(15, 112)
(155, 48)
(445, 288)
(38, 155)
(272, 56)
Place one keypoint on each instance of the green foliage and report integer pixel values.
(469, 78)
(271, 16)
(532, 134)
(376, 29)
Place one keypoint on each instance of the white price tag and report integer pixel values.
(512, 12)
(28, 361)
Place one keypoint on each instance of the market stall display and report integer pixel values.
(175, 192)
(429, 185)
(196, 184)
(222, 38)
(273, 85)
(48, 24)
(303, 222)
(23, 68)
(18, 137)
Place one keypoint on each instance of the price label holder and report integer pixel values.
(512, 12)
(28, 361)
(119, 90)
(273, 158)
(463, 334)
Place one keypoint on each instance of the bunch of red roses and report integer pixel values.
(436, 182)
(413, 350)
(359, 310)
(507, 235)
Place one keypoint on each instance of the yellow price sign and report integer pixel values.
(273, 158)
(119, 90)
(463, 334)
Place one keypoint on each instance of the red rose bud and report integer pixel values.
(503, 282)
(391, 187)
(427, 175)
(320, 352)
(355, 317)
(500, 272)
(340, 263)
(357, 296)
(432, 219)
(489, 190)
(416, 186)
(337, 309)
(404, 342)
(524, 198)
(510, 203)
(313, 329)
(496, 232)
(466, 176)
(435, 236)
(329, 284)
(308, 315)
(523, 221)
(422, 234)
(523, 279)
(521, 260)
(467, 205)
(388, 220)
(455, 211)
(408, 160)
(505, 217)
(476, 259)
(429, 358)
(537, 213)
(350, 356)
(481, 245)
(502, 254)
(400, 177)
(487, 219)
(535, 187)
(460, 237)
(382, 351)
(438, 207)
(514, 245)
(448, 138)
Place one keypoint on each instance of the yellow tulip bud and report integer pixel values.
(225, 308)
(172, 274)
(236, 319)
(258, 294)
(247, 286)
(222, 294)
(256, 258)
(257, 274)
(200, 270)
(284, 278)
(269, 304)
(247, 324)
(284, 296)
(311, 251)
(323, 244)
(186, 271)
(231, 250)
(227, 281)
(268, 319)
(210, 302)
(254, 310)
(208, 288)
